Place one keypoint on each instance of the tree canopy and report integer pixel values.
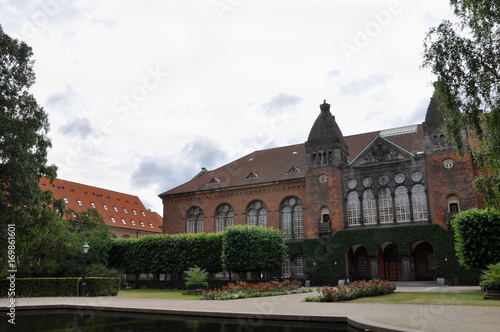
(23, 142)
(465, 57)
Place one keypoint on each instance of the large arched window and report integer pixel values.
(257, 214)
(402, 205)
(353, 209)
(291, 219)
(419, 201)
(195, 220)
(385, 206)
(369, 208)
(224, 217)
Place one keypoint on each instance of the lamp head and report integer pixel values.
(85, 248)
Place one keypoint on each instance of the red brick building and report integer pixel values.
(125, 214)
(390, 178)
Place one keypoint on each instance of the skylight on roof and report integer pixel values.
(398, 131)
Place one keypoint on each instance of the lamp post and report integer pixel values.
(83, 285)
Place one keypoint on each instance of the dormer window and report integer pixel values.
(65, 200)
(123, 221)
(143, 213)
(252, 175)
(214, 180)
(105, 207)
(115, 208)
(79, 202)
(92, 204)
(133, 211)
(293, 170)
(125, 210)
(132, 221)
(113, 220)
(151, 225)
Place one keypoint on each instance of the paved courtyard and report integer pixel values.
(405, 317)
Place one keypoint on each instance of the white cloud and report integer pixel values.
(252, 79)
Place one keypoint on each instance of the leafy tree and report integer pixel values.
(465, 57)
(89, 227)
(252, 249)
(23, 144)
(477, 237)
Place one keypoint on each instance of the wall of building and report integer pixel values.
(175, 208)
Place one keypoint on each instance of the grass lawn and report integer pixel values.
(156, 294)
(473, 299)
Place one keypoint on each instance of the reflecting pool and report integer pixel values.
(95, 321)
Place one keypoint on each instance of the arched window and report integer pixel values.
(125, 236)
(224, 217)
(385, 206)
(419, 201)
(325, 214)
(453, 204)
(195, 220)
(402, 205)
(369, 208)
(353, 209)
(291, 219)
(257, 214)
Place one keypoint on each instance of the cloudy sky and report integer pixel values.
(142, 94)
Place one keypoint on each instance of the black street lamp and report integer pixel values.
(83, 285)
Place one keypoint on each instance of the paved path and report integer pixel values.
(405, 317)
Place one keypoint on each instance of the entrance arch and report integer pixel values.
(393, 265)
(424, 266)
(358, 263)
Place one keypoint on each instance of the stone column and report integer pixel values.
(406, 267)
(374, 267)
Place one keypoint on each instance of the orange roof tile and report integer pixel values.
(118, 209)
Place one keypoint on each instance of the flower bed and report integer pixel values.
(353, 291)
(241, 290)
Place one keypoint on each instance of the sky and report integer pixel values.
(142, 94)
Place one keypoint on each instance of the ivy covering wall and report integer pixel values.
(325, 263)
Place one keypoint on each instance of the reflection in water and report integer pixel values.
(88, 320)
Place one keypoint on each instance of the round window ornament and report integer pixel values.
(368, 181)
(416, 176)
(352, 183)
(323, 178)
(383, 180)
(448, 163)
(399, 178)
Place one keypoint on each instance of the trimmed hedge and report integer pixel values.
(167, 253)
(42, 287)
(324, 258)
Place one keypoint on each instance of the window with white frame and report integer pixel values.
(65, 200)
(286, 269)
(79, 202)
(385, 206)
(419, 201)
(402, 204)
(195, 220)
(369, 208)
(298, 265)
(353, 209)
(115, 208)
(105, 207)
(257, 214)
(292, 224)
(224, 217)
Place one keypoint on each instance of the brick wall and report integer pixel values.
(175, 208)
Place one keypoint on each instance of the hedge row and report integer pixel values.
(324, 258)
(41, 287)
(167, 253)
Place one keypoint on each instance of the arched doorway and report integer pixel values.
(424, 266)
(358, 263)
(393, 263)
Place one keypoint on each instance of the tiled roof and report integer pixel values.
(126, 210)
(272, 165)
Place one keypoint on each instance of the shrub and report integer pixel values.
(490, 279)
(352, 291)
(477, 236)
(41, 287)
(196, 278)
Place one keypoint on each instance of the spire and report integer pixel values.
(326, 140)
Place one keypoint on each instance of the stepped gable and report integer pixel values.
(104, 201)
(271, 165)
